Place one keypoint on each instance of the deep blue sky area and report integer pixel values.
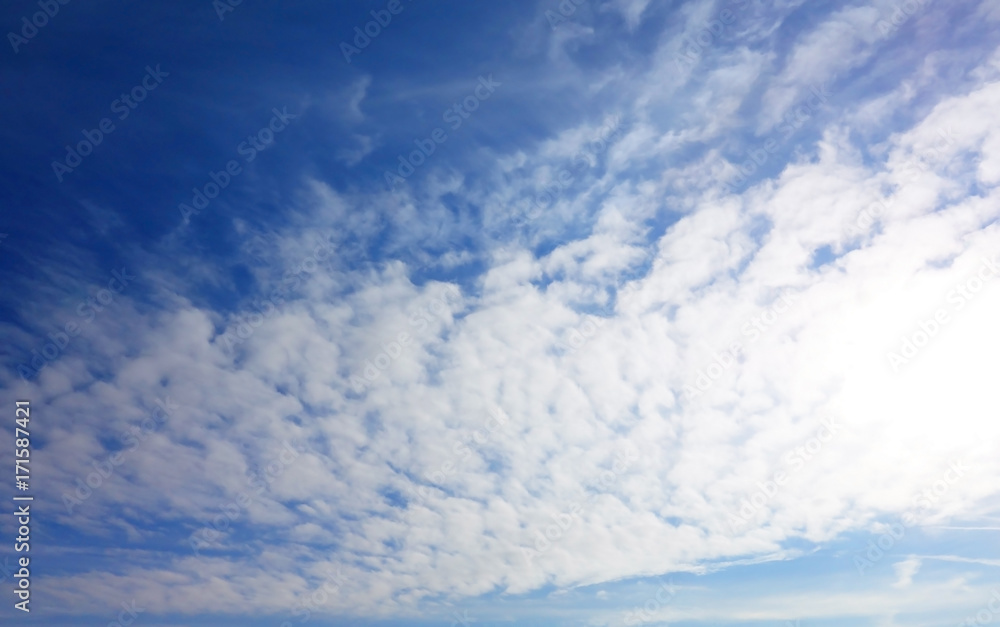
(223, 79)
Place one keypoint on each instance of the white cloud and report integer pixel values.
(905, 571)
(844, 41)
(632, 10)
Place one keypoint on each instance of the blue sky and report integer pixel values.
(600, 312)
